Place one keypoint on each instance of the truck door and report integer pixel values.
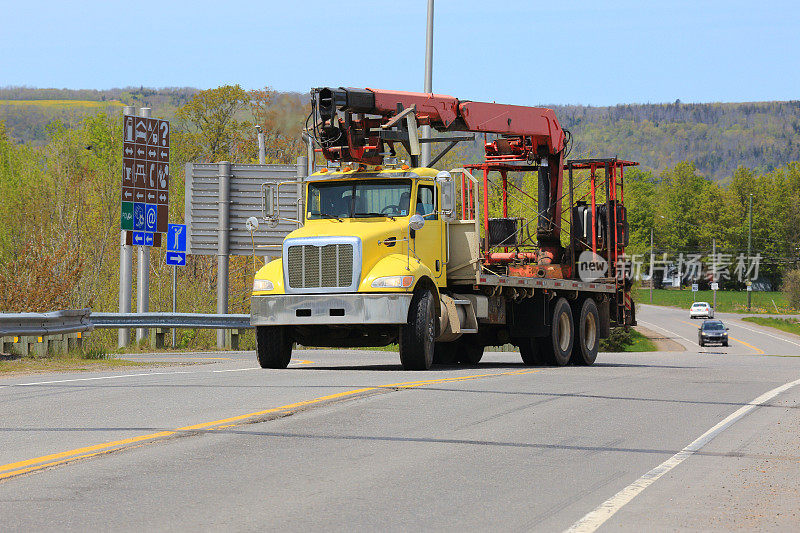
(429, 242)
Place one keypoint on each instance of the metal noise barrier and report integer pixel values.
(171, 320)
(42, 324)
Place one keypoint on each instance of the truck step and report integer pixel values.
(468, 330)
(461, 302)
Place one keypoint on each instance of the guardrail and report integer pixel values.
(40, 333)
(39, 324)
(58, 331)
(170, 320)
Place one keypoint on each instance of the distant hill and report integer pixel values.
(717, 137)
(26, 111)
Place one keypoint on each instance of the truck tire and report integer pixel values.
(529, 350)
(444, 353)
(556, 348)
(273, 346)
(587, 334)
(417, 336)
(469, 352)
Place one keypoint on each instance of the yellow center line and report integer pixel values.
(38, 463)
(758, 350)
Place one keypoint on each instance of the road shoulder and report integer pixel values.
(663, 343)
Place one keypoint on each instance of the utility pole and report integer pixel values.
(425, 156)
(749, 248)
(714, 270)
(262, 153)
(652, 281)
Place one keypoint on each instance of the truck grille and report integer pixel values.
(328, 266)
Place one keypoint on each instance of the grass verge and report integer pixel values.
(727, 301)
(789, 325)
(91, 360)
(627, 341)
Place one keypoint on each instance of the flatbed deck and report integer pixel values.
(545, 283)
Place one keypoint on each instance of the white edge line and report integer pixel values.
(125, 376)
(778, 337)
(594, 519)
(692, 343)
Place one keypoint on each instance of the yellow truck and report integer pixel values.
(409, 255)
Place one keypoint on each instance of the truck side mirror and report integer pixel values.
(448, 188)
(268, 203)
(416, 222)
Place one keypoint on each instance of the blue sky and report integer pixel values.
(518, 52)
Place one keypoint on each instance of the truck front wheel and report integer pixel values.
(556, 348)
(417, 336)
(273, 346)
(587, 340)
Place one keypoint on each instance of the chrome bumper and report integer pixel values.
(328, 309)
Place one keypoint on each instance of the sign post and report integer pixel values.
(176, 255)
(125, 250)
(694, 290)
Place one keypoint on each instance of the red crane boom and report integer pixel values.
(358, 124)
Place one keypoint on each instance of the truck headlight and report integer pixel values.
(393, 282)
(262, 285)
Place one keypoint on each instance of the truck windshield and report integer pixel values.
(359, 199)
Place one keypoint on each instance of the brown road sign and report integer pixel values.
(145, 174)
(127, 172)
(162, 220)
(140, 131)
(152, 175)
(163, 132)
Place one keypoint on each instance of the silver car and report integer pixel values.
(701, 310)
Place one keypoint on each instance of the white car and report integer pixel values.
(701, 310)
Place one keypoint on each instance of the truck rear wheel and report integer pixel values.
(273, 346)
(469, 352)
(417, 336)
(587, 338)
(556, 348)
(529, 350)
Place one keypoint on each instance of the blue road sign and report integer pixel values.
(138, 216)
(151, 217)
(138, 238)
(176, 238)
(176, 258)
(148, 239)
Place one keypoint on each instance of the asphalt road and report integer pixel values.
(702, 439)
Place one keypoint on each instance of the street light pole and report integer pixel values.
(652, 281)
(749, 249)
(714, 270)
(426, 130)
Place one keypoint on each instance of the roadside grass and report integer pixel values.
(727, 301)
(627, 341)
(789, 325)
(64, 104)
(92, 359)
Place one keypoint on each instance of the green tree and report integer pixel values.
(212, 124)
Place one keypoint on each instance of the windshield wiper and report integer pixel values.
(327, 215)
(373, 215)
